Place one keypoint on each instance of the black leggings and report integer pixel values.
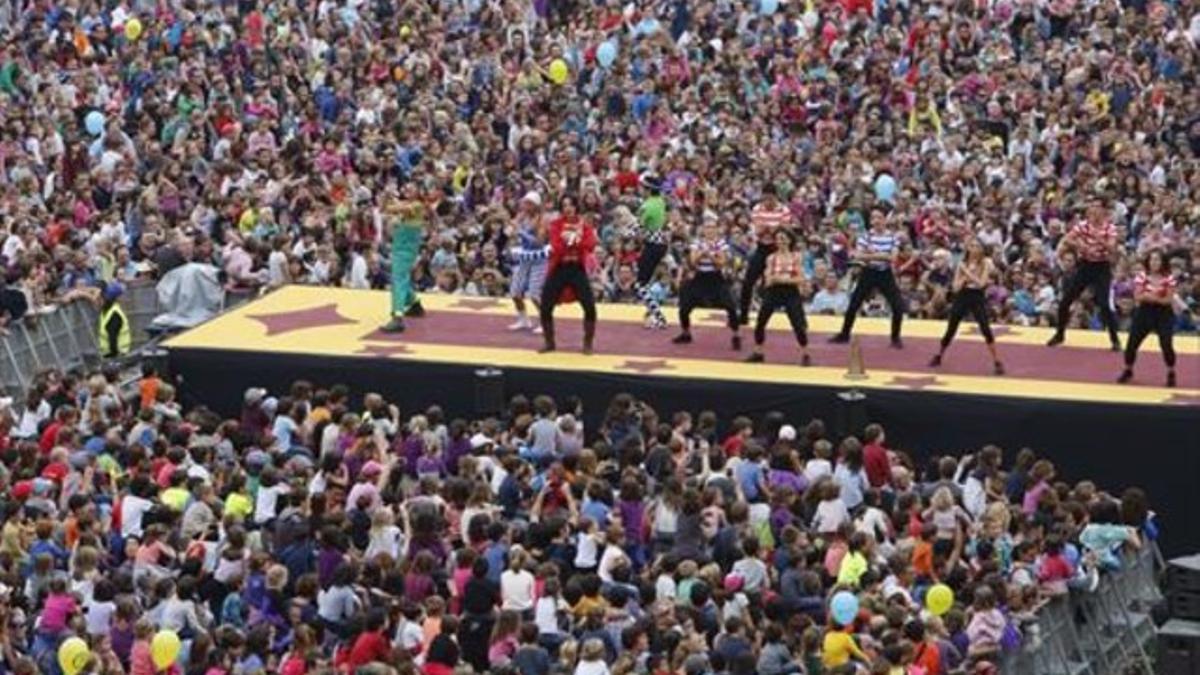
(651, 255)
(567, 275)
(1152, 318)
(972, 301)
(754, 271)
(1098, 277)
(869, 280)
(787, 298)
(706, 289)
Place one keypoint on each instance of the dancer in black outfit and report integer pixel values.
(875, 251)
(970, 284)
(708, 286)
(784, 275)
(1094, 242)
(1154, 291)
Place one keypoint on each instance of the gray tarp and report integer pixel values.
(191, 293)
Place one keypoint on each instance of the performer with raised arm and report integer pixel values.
(784, 275)
(1154, 291)
(970, 288)
(767, 217)
(875, 251)
(530, 257)
(707, 285)
(572, 242)
(1094, 241)
(406, 215)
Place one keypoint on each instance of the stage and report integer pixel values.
(1063, 402)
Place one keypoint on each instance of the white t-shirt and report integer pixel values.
(132, 510)
(831, 515)
(265, 504)
(389, 540)
(586, 550)
(516, 590)
(99, 617)
(816, 469)
(545, 614)
(608, 560)
(664, 587)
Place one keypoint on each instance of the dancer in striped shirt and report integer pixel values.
(1154, 291)
(875, 251)
(1094, 242)
(765, 219)
(530, 258)
(707, 286)
(784, 275)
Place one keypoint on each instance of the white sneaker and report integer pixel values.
(520, 324)
(537, 330)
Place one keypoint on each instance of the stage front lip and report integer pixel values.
(309, 321)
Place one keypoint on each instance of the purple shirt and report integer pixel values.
(328, 560)
(633, 519)
(778, 478)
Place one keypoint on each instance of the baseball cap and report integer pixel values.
(533, 198)
(254, 395)
(787, 432)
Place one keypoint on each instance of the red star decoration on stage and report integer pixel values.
(383, 350)
(645, 366)
(998, 331)
(916, 383)
(476, 305)
(1183, 399)
(299, 319)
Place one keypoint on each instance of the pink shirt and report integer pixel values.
(57, 609)
(140, 660)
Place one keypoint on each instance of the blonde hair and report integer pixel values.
(943, 499)
(381, 518)
(277, 577)
(568, 654)
(593, 650)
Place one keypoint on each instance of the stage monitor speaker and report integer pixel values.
(851, 413)
(1179, 648)
(1183, 588)
(489, 391)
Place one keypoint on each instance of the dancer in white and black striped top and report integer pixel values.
(708, 285)
(1154, 291)
(875, 251)
(765, 219)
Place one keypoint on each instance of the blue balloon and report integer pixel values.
(768, 7)
(844, 608)
(1071, 553)
(94, 122)
(606, 54)
(885, 188)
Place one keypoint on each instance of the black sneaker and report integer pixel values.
(736, 342)
(998, 368)
(839, 339)
(682, 339)
(1126, 375)
(1171, 378)
(1055, 341)
(415, 311)
(806, 360)
(897, 343)
(546, 349)
(935, 361)
(396, 325)
(1114, 346)
(756, 357)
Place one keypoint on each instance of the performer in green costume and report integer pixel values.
(408, 227)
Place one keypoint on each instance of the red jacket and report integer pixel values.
(875, 461)
(580, 251)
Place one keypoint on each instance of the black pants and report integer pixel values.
(706, 289)
(968, 301)
(651, 255)
(567, 275)
(1151, 318)
(787, 298)
(870, 280)
(754, 271)
(1098, 277)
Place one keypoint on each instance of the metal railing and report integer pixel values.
(1095, 632)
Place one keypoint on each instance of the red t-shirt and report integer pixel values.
(875, 461)
(49, 437)
(367, 648)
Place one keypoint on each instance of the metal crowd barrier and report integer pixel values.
(63, 339)
(1095, 632)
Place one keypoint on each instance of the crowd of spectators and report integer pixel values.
(319, 533)
(261, 135)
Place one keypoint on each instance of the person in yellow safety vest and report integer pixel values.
(115, 338)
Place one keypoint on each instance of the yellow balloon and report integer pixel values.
(73, 655)
(939, 599)
(405, 30)
(164, 649)
(133, 29)
(559, 71)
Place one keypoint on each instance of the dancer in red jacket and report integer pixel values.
(572, 241)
